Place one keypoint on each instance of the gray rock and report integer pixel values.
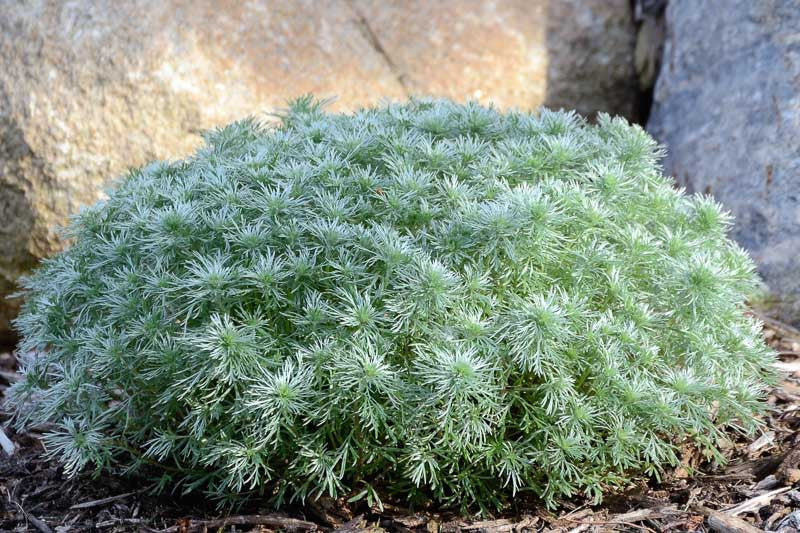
(727, 108)
(90, 88)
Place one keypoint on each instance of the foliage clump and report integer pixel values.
(440, 300)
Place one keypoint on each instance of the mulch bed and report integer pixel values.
(757, 490)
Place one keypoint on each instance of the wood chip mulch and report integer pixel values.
(758, 490)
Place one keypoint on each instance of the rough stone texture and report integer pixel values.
(727, 107)
(91, 88)
(576, 54)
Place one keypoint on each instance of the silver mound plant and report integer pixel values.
(436, 300)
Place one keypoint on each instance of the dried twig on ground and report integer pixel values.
(754, 504)
(724, 523)
(6, 443)
(781, 327)
(490, 526)
(35, 522)
(272, 521)
(101, 501)
(119, 522)
(762, 442)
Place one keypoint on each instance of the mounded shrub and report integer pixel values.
(435, 299)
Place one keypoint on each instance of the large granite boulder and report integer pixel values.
(90, 88)
(727, 108)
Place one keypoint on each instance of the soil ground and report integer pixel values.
(756, 490)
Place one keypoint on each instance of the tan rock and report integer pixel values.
(576, 54)
(91, 88)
